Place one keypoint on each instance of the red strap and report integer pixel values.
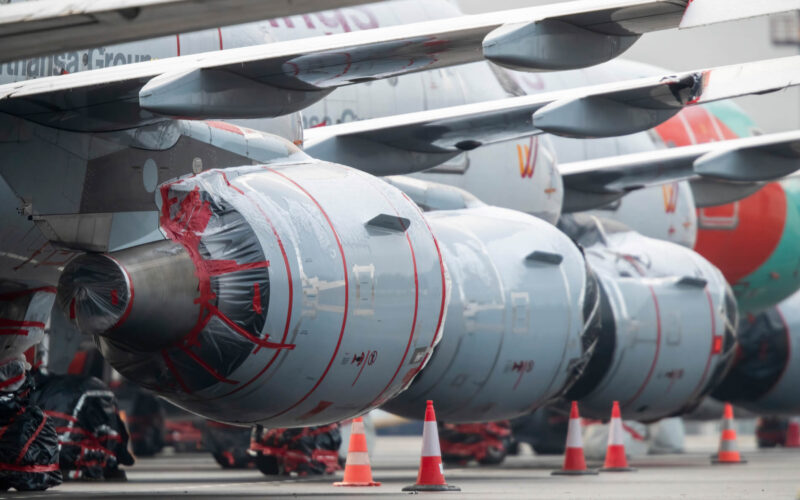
(31, 439)
(29, 468)
(62, 416)
(11, 381)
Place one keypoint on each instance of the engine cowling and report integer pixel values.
(288, 295)
(513, 337)
(666, 335)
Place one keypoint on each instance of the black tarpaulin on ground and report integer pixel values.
(93, 438)
(28, 440)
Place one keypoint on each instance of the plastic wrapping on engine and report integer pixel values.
(486, 443)
(234, 287)
(92, 437)
(23, 316)
(28, 441)
(761, 358)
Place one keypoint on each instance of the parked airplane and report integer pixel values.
(255, 296)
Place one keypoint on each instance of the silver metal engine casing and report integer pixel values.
(514, 322)
(673, 317)
(355, 302)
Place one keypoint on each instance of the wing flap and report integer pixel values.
(29, 29)
(306, 68)
(738, 163)
(416, 141)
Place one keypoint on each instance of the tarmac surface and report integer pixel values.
(772, 474)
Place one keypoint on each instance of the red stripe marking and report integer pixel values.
(655, 356)
(178, 39)
(218, 267)
(186, 227)
(416, 304)
(363, 364)
(15, 295)
(346, 292)
(129, 305)
(14, 331)
(78, 362)
(13, 323)
(31, 439)
(62, 416)
(11, 381)
(444, 289)
(291, 299)
(257, 299)
(200, 361)
(219, 32)
(174, 371)
(225, 178)
(712, 349)
(29, 468)
(226, 127)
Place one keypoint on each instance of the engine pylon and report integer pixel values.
(357, 470)
(615, 452)
(574, 461)
(728, 448)
(431, 472)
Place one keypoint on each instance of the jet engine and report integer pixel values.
(767, 362)
(667, 332)
(285, 295)
(514, 337)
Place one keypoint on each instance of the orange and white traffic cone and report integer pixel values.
(615, 452)
(574, 461)
(431, 472)
(357, 471)
(728, 449)
(793, 433)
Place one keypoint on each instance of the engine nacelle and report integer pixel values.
(287, 295)
(513, 337)
(767, 362)
(666, 336)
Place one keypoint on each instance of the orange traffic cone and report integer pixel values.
(793, 433)
(357, 471)
(574, 461)
(615, 452)
(728, 449)
(431, 473)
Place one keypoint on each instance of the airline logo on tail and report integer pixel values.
(527, 155)
(670, 193)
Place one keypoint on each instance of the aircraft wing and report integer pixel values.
(29, 29)
(417, 141)
(279, 78)
(721, 171)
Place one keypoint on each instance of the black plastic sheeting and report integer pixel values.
(145, 416)
(305, 451)
(228, 445)
(487, 443)
(93, 438)
(761, 358)
(28, 439)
